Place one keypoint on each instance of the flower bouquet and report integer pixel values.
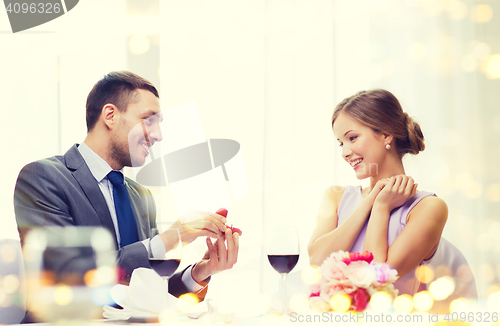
(353, 275)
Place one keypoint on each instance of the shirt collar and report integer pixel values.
(97, 165)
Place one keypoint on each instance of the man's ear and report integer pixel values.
(109, 115)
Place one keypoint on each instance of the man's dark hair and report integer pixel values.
(117, 88)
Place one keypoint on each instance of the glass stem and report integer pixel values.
(285, 305)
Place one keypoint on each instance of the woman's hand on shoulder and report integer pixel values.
(376, 189)
(393, 192)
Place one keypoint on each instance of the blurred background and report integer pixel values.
(268, 74)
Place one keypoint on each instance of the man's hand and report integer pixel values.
(198, 224)
(218, 257)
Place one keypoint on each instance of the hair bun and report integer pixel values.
(415, 136)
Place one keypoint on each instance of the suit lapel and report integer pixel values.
(89, 185)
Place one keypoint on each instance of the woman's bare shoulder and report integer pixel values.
(334, 193)
(431, 207)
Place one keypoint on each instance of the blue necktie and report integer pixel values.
(124, 214)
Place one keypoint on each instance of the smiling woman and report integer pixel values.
(400, 225)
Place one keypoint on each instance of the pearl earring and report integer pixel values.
(388, 147)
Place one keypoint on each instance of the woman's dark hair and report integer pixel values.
(117, 88)
(380, 110)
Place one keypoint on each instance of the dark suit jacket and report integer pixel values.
(61, 191)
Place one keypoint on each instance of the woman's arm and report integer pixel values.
(421, 234)
(327, 237)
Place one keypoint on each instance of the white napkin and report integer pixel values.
(146, 296)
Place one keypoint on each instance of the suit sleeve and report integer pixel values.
(39, 200)
(176, 286)
(42, 198)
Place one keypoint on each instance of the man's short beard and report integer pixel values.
(120, 155)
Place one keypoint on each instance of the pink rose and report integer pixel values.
(315, 289)
(356, 256)
(383, 273)
(359, 300)
(333, 270)
(360, 273)
(332, 287)
(339, 255)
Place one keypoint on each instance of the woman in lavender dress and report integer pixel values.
(399, 224)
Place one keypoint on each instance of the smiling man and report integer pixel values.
(82, 187)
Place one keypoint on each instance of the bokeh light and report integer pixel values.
(340, 302)
(90, 279)
(10, 283)
(481, 50)
(403, 304)
(8, 253)
(425, 274)
(459, 305)
(493, 192)
(381, 301)
(442, 288)
(138, 44)
(482, 13)
(486, 273)
(106, 275)
(492, 66)
(63, 295)
(311, 275)
(492, 289)
(423, 301)
(187, 300)
(457, 10)
(442, 270)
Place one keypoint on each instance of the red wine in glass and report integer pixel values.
(283, 263)
(164, 267)
(167, 264)
(283, 252)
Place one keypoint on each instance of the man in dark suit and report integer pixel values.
(76, 189)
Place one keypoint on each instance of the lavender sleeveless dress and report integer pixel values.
(446, 253)
(352, 198)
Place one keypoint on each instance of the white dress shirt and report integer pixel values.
(100, 169)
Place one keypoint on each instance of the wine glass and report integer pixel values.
(69, 272)
(167, 264)
(283, 253)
